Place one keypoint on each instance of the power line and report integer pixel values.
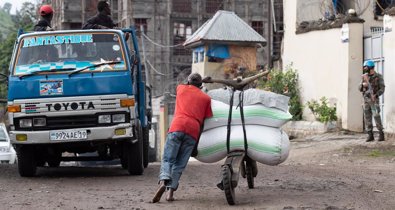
(156, 71)
(160, 45)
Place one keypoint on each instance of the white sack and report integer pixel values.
(253, 115)
(252, 96)
(266, 145)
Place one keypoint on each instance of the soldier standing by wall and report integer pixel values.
(372, 86)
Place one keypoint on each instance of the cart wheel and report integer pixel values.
(227, 183)
(249, 174)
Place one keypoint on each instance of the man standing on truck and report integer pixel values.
(102, 20)
(192, 107)
(46, 15)
(372, 86)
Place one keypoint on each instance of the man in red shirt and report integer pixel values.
(192, 107)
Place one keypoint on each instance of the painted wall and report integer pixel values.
(326, 67)
(389, 66)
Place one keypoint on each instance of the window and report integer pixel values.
(56, 52)
(184, 6)
(138, 22)
(382, 5)
(182, 31)
(3, 136)
(213, 6)
(195, 57)
(201, 56)
(257, 26)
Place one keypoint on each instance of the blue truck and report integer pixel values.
(74, 92)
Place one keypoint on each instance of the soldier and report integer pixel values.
(372, 86)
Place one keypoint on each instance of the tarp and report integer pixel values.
(218, 51)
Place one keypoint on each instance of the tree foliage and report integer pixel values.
(285, 83)
(24, 19)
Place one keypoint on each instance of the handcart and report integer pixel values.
(236, 162)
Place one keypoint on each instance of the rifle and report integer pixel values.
(369, 91)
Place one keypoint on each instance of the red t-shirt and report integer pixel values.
(192, 107)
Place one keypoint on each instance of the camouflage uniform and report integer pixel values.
(372, 107)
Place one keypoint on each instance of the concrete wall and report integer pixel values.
(307, 10)
(389, 66)
(311, 10)
(326, 66)
(370, 21)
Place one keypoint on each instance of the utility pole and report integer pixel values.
(146, 68)
(83, 5)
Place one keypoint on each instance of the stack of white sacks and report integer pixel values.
(264, 113)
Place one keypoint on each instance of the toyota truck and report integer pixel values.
(76, 92)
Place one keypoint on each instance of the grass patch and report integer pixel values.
(379, 153)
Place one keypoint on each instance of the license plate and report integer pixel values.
(68, 135)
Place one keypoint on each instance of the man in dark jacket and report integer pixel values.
(46, 14)
(102, 20)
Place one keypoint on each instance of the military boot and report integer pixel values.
(381, 136)
(370, 136)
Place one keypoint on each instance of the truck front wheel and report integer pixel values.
(146, 146)
(26, 161)
(135, 158)
(134, 153)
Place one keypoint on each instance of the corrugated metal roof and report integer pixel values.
(225, 26)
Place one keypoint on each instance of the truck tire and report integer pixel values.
(135, 158)
(146, 146)
(124, 162)
(135, 154)
(27, 165)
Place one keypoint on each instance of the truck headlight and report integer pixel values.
(104, 119)
(39, 122)
(118, 118)
(25, 123)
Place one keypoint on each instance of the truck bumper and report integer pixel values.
(94, 134)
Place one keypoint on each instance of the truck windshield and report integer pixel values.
(51, 53)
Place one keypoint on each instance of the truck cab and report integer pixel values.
(74, 92)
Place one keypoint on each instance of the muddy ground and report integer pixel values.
(329, 171)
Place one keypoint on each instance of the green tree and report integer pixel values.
(285, 83)
(24, 19)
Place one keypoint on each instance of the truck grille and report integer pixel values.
(69, 122)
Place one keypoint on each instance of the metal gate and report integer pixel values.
(373, 50)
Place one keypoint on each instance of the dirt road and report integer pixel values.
(324, 172)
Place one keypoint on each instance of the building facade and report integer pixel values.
(71, 14)
(334, 47)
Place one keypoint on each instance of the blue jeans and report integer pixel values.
(178, 149)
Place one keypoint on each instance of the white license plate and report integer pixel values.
(68, 135)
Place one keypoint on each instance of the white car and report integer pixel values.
(7, 152)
